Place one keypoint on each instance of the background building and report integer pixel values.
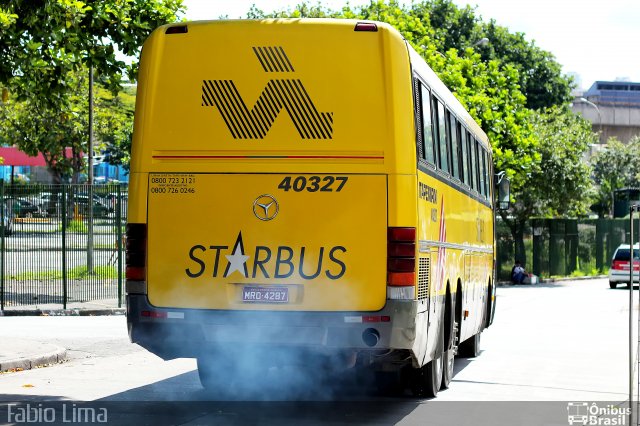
(613, 107)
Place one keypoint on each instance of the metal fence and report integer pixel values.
(59, 248)
(563, 247)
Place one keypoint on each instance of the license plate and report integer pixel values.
(254, 294)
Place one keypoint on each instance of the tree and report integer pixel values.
(35, 128)
(541, 78)
(114, 125)
(616, 167)
(500, 85)
(43, 40)
(559, 183)
(451, 27)
(46, 43)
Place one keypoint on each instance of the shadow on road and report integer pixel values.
(181, 399)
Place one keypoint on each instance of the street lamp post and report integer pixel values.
(588, 102)
(482, 42)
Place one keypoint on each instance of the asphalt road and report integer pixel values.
(559, 343)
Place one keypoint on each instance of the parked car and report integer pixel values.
(112, 197)
(21, 208)
(620, 265)
(99, 209)
(49, 203)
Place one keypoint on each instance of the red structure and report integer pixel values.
(14, 157)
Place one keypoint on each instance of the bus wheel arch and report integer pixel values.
(489, 305)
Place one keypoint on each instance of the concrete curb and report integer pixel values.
(54, 357)
(63, 312)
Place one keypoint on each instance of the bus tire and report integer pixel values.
(213, 377)
(470, 348)
(428, 379)
(450, 340)
(487, 319)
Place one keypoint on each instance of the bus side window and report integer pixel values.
(453, 138)
(436, 130)
(483, 171)
(442, 139)
(474, 164)
(464, 167)
(478, 161)
(469, 160)
(487, 174)
(427, 127)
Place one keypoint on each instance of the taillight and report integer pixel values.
(623, 265)
(136, 251)
(620, 265)
(401, 258)
(153, 314)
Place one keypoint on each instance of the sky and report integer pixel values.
(595, 39)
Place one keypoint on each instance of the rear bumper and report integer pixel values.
(188, 332)
(622, 276)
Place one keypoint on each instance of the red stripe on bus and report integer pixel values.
(268, 157)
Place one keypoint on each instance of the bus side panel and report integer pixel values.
(455, 233)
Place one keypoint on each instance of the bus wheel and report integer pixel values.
(449, 358)
(470, 348)
(450, 348)
(427, 379)
(213, 376)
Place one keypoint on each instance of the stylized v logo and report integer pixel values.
(288, 94)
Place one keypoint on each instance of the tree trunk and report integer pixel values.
(518, 238)
(517, 227)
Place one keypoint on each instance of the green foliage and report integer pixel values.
(513, 89)
(540, 76)
(44, 41)
(444, 26)
(114, 125)
(560, 184)
(46, 50)
(35, 127)
(615, 167)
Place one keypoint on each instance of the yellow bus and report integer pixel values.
(306, 190)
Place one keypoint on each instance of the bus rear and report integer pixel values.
(259, 208)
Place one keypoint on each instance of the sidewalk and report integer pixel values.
(91, 308)
(16, 354)
(26, 354)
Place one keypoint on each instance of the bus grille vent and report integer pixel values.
(424, 267)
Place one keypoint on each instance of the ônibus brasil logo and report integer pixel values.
(288, 94)
(266, 262)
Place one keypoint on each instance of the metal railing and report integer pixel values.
(61, 244)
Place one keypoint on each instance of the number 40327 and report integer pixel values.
(313, 183)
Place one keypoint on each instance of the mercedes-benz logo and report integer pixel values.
(265, 207)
